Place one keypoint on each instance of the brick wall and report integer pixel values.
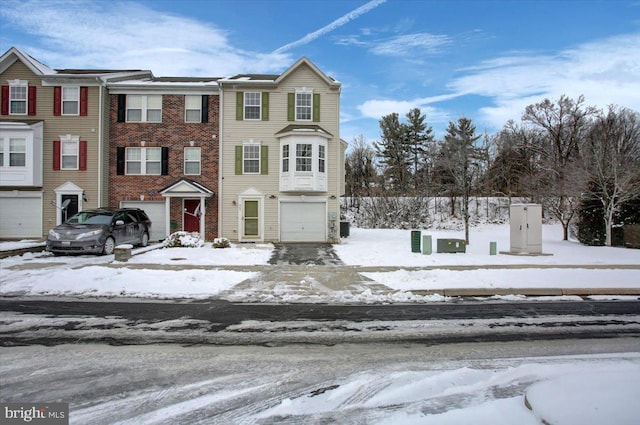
(175, 134)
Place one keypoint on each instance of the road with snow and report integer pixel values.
(55, 321)
(477, 383)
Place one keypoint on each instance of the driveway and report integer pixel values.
(305, 254)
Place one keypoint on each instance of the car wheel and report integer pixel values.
(144, 241)
(109, 246)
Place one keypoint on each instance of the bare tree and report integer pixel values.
(565, 125)
(360, 170)
(612, 161)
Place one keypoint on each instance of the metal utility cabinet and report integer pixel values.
(526, 228)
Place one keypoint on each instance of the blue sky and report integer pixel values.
(485, 60)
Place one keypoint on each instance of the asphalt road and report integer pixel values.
(51, 322)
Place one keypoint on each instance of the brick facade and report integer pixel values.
(174, 134)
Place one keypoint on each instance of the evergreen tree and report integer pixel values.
(393, 154)
(419, 140)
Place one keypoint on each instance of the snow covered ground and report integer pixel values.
(402, 384)
(370, 248)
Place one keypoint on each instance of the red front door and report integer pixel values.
(191, 215)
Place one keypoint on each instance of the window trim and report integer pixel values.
(23, 153)
(76, 101)
(144, 108)
(285, 159)
(258, 149)
(308, 159)
(199, 161)
(70, 139)
(197, 99)
(5, 154)
(246, 105)
(12, 86)
(300, 109)
(143, 161)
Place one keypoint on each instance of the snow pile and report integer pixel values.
(562, 394)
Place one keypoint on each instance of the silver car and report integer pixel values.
(99, 231)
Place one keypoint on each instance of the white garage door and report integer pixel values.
(303, 221)
(21, 217)
(155, 211)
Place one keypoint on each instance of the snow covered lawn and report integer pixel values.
(83, 276)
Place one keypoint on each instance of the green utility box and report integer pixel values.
(415, 241)
(451, 245)
(493, 248)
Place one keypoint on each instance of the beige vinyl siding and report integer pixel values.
(235, 132)
(86, 127)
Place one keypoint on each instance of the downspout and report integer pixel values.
(220, 159)
(100, 141)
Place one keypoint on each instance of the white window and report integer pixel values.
(252, 106)
(321, 158)
(285, 158)
(143, 161)
(17, 152)
(251, 159)
(144, 108)
(70, 100)
(193, 109)
(192, 161)
(304, 105)
(18, 97)
(303, 156)
(69, 152)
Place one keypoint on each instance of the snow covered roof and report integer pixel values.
(276, 79)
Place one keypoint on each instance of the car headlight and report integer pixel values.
(89, 234)
(54, 234)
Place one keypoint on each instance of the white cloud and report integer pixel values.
(604, 71)
(403, 45)
(119, 35)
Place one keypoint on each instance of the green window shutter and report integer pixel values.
(239, 159)
(264, 159)
(265, 106)
(291, 107)
(316, 107)
(239, 106)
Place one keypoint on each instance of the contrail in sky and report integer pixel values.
(332, 26)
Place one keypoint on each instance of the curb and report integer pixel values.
(529, 292)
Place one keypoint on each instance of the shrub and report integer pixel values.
(183, 240)
(221, 243)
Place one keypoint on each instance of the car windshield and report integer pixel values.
(91, 217)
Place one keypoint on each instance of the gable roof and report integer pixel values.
(58, 76)
(269, 79)
(186, 187)
(13, 54)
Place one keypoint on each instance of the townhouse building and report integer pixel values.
(251, 158)
(163, 152)
(281, 156)
(53, 142)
